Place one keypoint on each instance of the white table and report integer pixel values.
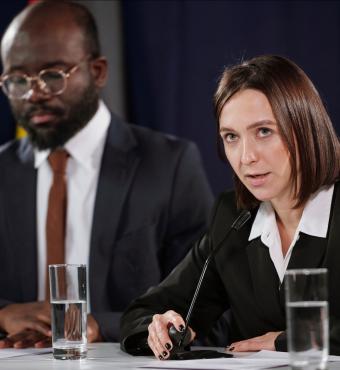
(100, 356)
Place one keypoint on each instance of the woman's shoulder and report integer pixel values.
(225, 208)
(226, 201)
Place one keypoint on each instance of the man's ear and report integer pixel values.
(99, 71)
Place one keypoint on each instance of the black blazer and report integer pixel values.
(241, 278)
(152, 202)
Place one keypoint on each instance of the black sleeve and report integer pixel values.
(281, 342)
(175, 293)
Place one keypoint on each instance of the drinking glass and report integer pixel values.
(307, 318)
(69, 311)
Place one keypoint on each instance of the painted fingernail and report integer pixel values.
(168, 346)
(181, 328)
(164, 354)
(231, 348)
(160, 357)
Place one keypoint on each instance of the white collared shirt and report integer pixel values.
(314, 221)
(82, 173)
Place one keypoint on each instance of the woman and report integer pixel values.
(285, 154)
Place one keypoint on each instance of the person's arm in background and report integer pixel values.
(29, 324)
(188, 213)
(189, 209)
(24, 324)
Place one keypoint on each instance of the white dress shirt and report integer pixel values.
(82, 173)
(314, 221)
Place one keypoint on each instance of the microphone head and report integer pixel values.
(243, 217)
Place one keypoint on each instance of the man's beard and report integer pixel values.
(56, 135)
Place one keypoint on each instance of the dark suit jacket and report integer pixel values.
(241, 278)
(152, 202)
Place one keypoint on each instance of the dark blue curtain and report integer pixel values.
(175, 51)
(7, 127)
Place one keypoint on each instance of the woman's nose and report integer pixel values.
(249, 152)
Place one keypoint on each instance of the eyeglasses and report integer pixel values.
(51, 81)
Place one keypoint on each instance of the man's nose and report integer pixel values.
(37, 91)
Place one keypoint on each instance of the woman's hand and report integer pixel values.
(266, 341)
(158, 339)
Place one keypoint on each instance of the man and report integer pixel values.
(136, 199)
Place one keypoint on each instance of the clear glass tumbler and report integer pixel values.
(69, 311)
(307, 318)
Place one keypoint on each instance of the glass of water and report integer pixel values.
(69, 311)
(307, 318)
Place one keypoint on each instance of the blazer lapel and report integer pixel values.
(266, 283)
(119, 163)
(333, 230)
(308, 252)
(20, 205)
(332, 254)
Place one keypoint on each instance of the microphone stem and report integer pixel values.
(197, 291)
(206, 264)
(237, 225)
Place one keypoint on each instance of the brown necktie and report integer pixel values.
(56, 213)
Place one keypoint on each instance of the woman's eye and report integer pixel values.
(263, 131)
(229, 138)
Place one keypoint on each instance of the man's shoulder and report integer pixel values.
(8, 146)
(15, 150)
(128, 136)
(7, 149)
(150, 137)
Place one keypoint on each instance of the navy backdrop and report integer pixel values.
(175, 51)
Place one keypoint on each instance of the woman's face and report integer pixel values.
(254, 147)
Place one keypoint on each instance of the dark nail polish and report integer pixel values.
(181, 328)
(231, 349)
(167, 346)
(160, 357)
(164, 353)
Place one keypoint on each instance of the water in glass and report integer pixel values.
(308, 350)
(69, 329)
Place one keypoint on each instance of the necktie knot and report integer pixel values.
(58, 160)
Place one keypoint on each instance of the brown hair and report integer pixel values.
(302, 120)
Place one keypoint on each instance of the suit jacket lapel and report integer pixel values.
(308, 252)
(119, 163)
(20, 205)
(332, 253)
(334, 223)
(266, 283)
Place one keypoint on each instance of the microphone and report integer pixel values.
(181, 339)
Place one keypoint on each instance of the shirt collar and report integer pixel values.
(314, 220)
(83, 147)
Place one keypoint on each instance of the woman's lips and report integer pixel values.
(257, 180)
